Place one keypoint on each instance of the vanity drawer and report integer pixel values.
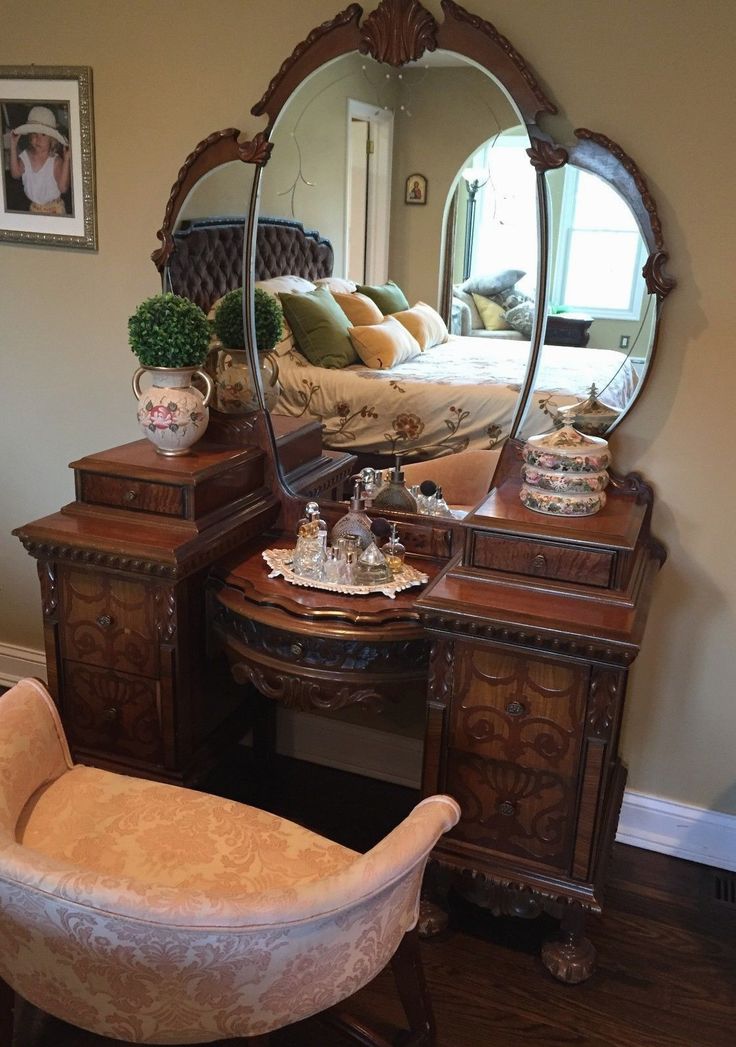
(543, 559)
(112, 712)
(511, 811)
(521, 709)
(108, 621)
(123, 493)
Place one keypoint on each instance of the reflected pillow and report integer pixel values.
(492, 283)
(292, 284)
(359, 308)
(491, 313)
(385, 345)
(320, 328)
(388, 297)
(425, 324)
(521, 317)
(336, 283)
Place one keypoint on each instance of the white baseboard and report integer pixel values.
(679, 829)
(17, 662)
(708, 837)
(350, 747)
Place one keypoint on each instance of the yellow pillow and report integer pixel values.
(491, 313)
(359, 308)
(384, 345)
(424, 323)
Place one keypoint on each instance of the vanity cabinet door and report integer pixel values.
(515, 731)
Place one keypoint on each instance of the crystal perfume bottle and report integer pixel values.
(310, 551)
(372, 567)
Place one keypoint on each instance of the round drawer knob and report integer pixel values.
(297, 649)
(110, 715)
(104, 621)
(539, 564)
(130, 496)
(515, 709)
(507, 809)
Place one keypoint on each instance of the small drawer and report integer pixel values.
(524, 710)
(112, 712)
(136, 495)
(109, 622)
(512, 811)
(544, 559)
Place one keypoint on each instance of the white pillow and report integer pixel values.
(336, 283)
(290, 284)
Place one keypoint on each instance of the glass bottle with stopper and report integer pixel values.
(355, 521)
(395, 494)
(372, 567)
(394, 551)
(310, 551)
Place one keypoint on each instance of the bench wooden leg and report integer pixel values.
(413, 992)
(7, 1013)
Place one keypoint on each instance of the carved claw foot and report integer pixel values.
(432, 920)
(570, 956)
(569, 962)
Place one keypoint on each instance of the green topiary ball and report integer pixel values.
(228, 320)
(169, 331)
(269, 320)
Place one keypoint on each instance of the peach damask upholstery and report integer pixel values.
(155, 914)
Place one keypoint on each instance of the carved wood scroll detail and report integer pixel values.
(165, 604)
(546, 156)
(297, 692)
(459, 14)
(49, 590)
(658, 282)
(398, 32)
(606, 689)
(506, 896)
(441, 663)
(343, 18)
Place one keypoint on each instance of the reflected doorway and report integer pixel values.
(368, 192)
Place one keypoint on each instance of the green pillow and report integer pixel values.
(320, 328)
(388, 297)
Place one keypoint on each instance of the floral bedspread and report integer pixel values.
(458, 395)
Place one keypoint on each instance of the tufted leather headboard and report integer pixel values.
(207, 259)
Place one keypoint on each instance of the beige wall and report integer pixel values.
(167, 72)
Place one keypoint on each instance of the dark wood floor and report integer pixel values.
(667, 946)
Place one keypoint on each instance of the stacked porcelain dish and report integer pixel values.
(564, 473)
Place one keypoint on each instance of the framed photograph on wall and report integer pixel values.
(416, 189)
(47, 182)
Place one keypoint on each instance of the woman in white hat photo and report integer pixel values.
(44, 164)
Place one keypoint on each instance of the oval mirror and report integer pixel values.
(359, 158)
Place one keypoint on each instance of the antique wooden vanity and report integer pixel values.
(160, 617)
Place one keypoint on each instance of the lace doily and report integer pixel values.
(280, 560)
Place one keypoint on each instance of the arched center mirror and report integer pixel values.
(448, 275)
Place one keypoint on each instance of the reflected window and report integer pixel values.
(600, 252)
(505, 226)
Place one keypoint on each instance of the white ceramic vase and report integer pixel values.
(235, 393)
(172, 413)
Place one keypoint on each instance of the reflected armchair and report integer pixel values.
(155, 914)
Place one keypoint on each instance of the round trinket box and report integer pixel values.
(564, 473)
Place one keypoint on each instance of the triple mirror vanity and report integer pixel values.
(162, 626)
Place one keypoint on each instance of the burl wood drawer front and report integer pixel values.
(109, 622)
(543, 559)
(512, 811)
(112, 712)
(521, 709)
(121, 493)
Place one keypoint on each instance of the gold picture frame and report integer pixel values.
(33, 99)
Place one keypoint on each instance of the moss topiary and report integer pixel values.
(169, 331)
(228, 320)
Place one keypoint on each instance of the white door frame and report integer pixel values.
(378, 217)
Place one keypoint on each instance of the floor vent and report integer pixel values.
(725, 888)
